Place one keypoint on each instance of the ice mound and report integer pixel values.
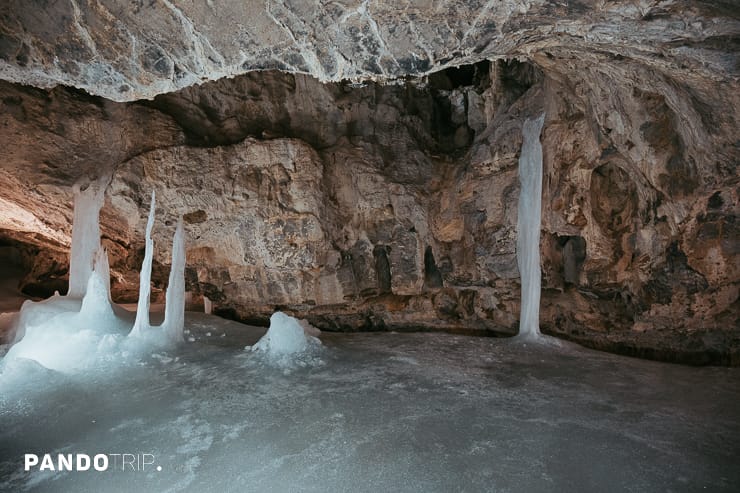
(69, 337)
(38, 312)
(286, 339)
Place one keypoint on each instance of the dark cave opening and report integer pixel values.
(432, 274)
(382, 269)
(13, 265)
(28, 270)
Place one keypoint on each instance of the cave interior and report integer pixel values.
(340, 218)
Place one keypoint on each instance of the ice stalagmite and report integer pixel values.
(141, 323)
(71, 333)
(76, 338)
(85, 245)
(288, 342)
(102, 268)
(96, 307)
(85, 236)
(528, 227)
(174, 314)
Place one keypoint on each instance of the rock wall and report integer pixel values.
(366, 207)
(643, 200)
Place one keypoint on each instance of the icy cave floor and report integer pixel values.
(377, 412)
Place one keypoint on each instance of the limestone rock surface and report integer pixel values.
(129, 50)
(394, 207)
(355, 162)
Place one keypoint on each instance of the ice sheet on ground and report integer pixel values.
(386, 412)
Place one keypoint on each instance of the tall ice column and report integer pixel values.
(528, 227)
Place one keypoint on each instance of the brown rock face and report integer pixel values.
(393, 206)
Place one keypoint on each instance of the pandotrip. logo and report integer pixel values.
(122, 462)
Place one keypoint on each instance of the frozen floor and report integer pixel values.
(378, 412)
